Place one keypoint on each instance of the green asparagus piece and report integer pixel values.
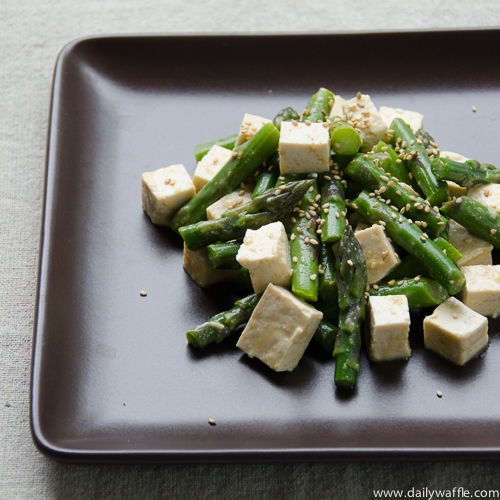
(332, 195)
(304, 246)
(480, 219)
(325, 335)
(285, 179)
(426, 139)
(285, 115)
(270, 206)
(396, 169)
(467, 174)
(327, 286)
(233, 173)
(344, 139)
(267, 178)
(405, 143)
(223, 255)
(241, 277)
(223, 324)
(351, 279)
(448, 249)
(413, 240)
(421, 292)
(374, 177)
(318, 107)
(409, 268)
(227, 142)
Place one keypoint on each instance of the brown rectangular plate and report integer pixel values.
(113, 378)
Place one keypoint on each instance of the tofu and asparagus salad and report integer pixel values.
(336, 221)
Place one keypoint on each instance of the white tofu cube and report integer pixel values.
(363, 116)
(482, 289)
(210, 165)
(450, 155)
(165, 191)
(413, 119)
(387, 328)
(303, 148)
(197, 267)
(279, 329)
(379, 252)
(455, 332)
(265, 252)
(488, 194)
(228, 202)
(250, 125)
(474, 250)
(338, 107)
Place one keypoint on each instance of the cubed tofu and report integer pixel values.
(228, 202)
(488, 194)
(413, 119)
(250, 125)
(450, 155)
(379, 252)
(265, 252)
(456, 332)
(279, 329)
(482, 289)
(303, 148)
(210, 165)
(387, 328)
(338, 107)
(474, 250)
(197, 267)
(164, 191)
(363, 116)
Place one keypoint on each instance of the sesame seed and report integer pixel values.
(293, 219)
(493, 231)
(392, 282)
(427, 209)
(354, 206)
(474, 108)
(343, 213)
(373, 265)
(310, 200)
(327, 177)
(337, 215)
(277, 192)
(376, 287)
(458, 200)
(307, 122)
(416, 278)
(384, 178)
(331, 283)
(292, 237)
(308, 225)
(394, 216)
(358, 95)
(306, 239)
(240, 154)
(400, 161)
(390, 184)
(400, 282)
(350, 262)
(330, 103)
(423, 238)
(337, 177)
(313, 241)
(371, 195)
(326, 205)
(376, 204)
(440, 223)
(312, 277)
(295, 259)
(299, 230)
(396, 209)
(381, 222)
(326, 210)
(241, 193)
(142, 293)
(311, 189)
(410, 175)
(439, 394)
(211, 421)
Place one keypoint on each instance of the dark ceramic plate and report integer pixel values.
(113, 377)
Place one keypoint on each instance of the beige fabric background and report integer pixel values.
(31, 35)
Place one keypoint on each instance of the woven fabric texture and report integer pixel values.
(31, 35)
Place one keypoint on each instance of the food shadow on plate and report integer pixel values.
(162, 237)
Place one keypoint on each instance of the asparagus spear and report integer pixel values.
(318, 107)
(397, 168)
(249, 156)
(413, 240)
(409, 268)
(223, 255)
(304, 246)
(418, 162)
(477, 217)
(421, 292)
(467, 174)
(285, 115)
(325, 335)
(344, 139)
(448, 249)
(221, 325)
(351, 279)
(270, 206)
(374, 177)
(334, 211)
(268, 176)
(227, 142)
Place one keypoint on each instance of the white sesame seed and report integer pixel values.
(350, 262)
(142, 293)
(458, 200)
(295, 259)
(392, 282)
(292, 236)
(493, 231)
(312, 277)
